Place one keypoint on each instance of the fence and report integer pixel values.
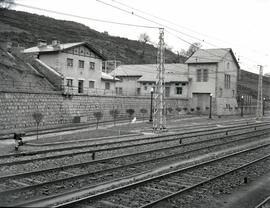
(71, 90)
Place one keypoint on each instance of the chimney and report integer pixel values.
(42, 43)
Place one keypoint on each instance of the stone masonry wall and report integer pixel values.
(16, 108)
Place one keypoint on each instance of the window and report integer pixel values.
(227, 81)
(199, 75)
(107, 85)
(202, 75)
(179, 90)
(92, 65)
(119, 90)
(81, 64)
(91, 84)
(205, 75)
(69, 82)
(138, 91)
(69, 62)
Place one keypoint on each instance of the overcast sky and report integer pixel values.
(242, 25)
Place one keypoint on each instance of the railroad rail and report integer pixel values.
(128, 167)
(264, 204)
(25, 157)
(163, 188)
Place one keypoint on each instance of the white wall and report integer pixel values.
(59, 62)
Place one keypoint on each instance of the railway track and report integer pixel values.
(174, 188)
(113, 147)
(117, 167)
(264, 204)
(75, 160)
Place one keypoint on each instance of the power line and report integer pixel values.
(180, 26)
(168, 27)
(87, 18)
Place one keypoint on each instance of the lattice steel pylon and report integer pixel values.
(259, 110)
(159, 118)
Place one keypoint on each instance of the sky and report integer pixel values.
(242, 25)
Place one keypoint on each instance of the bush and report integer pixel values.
(170, 109)
(185, 109)
(191, 109)
(143, 111)
(130, 113)
(198, 108)
(178, 109)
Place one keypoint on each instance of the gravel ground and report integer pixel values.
(195, 198)
(78, 183)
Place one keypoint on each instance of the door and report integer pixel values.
(201, 101)
(80, 86)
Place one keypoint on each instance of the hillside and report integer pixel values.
(248, 84)
(25, 29)
(16, 74)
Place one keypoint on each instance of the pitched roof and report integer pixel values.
(210, 56)
(147, 72)
(61, 47)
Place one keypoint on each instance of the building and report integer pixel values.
(79, 64)
(138, 80)
(213, 72)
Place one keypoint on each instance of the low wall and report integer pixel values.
(17, 108)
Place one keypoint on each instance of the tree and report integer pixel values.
(38, 118)
(98, 115)
(193, 48)
(143, 111)
(144, 39)
(178, 109)
(130, 113)
(6, 4)
(170, 109)
(114, 114)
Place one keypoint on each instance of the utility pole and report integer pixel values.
(260, 97)
(159, 102)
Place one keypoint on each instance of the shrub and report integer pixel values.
(130, 113)
(143, 111)
(178, 109)
(170, 109)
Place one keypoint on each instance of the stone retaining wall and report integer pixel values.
(17, 108)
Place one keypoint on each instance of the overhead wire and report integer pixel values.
(168, 27)
(170, 22)
(82, 17)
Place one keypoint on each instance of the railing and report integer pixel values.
(71, 90)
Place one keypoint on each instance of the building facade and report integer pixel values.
(213, 72)
(79, 64)
(138, 80)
